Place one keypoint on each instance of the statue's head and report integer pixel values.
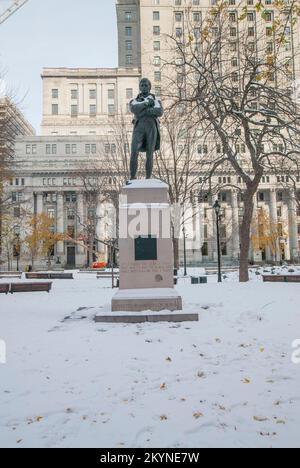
(145, 86)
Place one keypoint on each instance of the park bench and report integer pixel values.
(61, 276)
(281, 278)
(9, 276)
(30, 287)
(49, 276)
(37, 275)
(4, 288)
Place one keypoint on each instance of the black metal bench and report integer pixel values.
(4, 288)
(30, 287)
(281, 278)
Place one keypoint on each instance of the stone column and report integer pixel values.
(274, 218)
(100, 227)
(60, 222)
(39, 203)
(80, 219)
(293, 226)
(235, 226)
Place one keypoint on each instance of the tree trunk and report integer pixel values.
(91, 250)
(245, 235)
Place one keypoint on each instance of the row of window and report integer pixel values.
(74, 111)
(111, 93)
(17, 182)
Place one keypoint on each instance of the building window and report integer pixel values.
(55, 93)
(156, 16)
(157, 76)
(93, 110)
(111, 109)
(51, 213)
(28, 149)
(128, 46)
(157, 60)
(74, 93)
(68, 149)
(74, 110)
(156, 30)
(128, 59)
(111, 94)
(128, 31)
(129, 93)
(156, 45)
(71, 197)
(93, 94)
(54, 109)
(128, 16)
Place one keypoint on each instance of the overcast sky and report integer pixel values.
(54, 33)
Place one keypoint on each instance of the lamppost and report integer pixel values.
(184, 250)
(217, 208)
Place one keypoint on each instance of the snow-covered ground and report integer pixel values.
(227, 381)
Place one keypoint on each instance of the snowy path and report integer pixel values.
(227, 381)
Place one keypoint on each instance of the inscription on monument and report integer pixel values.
(146, 267)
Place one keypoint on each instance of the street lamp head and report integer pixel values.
(217, 207)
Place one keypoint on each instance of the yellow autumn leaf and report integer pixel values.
(260, 419)
(198, 415)
(246, 381)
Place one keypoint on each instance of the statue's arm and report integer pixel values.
(157, 110)
(137, 108)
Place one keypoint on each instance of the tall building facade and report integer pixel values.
(79, 110)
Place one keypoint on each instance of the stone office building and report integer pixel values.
(79, 111)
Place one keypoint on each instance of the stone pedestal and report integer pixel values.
(146, 250)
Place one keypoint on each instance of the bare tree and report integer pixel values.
(176, 165)
(237, 88)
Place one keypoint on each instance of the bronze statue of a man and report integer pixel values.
(146, 134)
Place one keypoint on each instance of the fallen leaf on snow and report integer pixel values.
(246, 381)
(198, 415)
(163, 386)
(260, 419)
(163, 417)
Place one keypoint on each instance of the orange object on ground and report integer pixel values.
(99, 265)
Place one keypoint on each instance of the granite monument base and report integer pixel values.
(139, 300)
